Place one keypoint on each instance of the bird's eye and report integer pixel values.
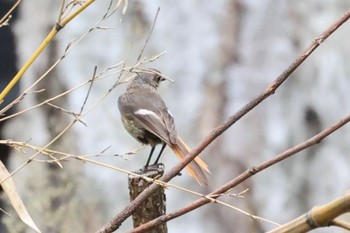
(160, 78)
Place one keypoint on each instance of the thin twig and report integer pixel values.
(245, 175)
(66, 111)
(59, 18)
(6, 17)
(109, 12)
(341, 224)
(85, 158)
(89, 90)
(37, 153)
(42, 46)
(58, 136)
(149, 35)
(138, 62)
(115, 223)
(68, 49)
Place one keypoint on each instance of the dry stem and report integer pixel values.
(115, 223)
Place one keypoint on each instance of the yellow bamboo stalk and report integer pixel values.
(42, 46)
(20, 73)
(318, 216)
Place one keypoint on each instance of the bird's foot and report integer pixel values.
(153, 167)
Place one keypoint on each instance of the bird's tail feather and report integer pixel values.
(195, 168)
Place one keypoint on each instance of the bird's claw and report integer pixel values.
(153, 167)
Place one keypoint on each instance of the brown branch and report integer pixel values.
(115, 223)
(244, 176)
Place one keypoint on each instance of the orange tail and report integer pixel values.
(195, 168)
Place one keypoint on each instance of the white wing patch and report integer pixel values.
(146, 112)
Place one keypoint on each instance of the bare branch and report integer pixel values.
(56, 157)
(42, 46)
(149, 35)
(122, 216)
(6, 18)
(59, 135)
(247, 174)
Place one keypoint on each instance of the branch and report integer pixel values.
(58, 136)
(68, 49)
(245, 175)
(319, 216)
(341, 224)
(59, 25)
(4, 20)
(149, 35)
(115, 223)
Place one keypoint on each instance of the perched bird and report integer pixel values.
(146, 117)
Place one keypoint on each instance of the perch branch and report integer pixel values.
(245, 175)
(115, 223)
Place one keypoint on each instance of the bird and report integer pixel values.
(146, 117)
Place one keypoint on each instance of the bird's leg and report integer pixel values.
(160, 153)
(150, 156)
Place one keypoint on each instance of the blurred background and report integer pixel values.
(221, 54)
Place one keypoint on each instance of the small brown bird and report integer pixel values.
(146, 117)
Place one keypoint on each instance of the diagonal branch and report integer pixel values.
(342, 224)
(7, 16)
(59, 25)
(244, 176)
(115, 223)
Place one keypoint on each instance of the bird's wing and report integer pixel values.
(153, 123)
(150, 111)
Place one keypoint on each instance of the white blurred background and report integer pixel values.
(221, 54)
